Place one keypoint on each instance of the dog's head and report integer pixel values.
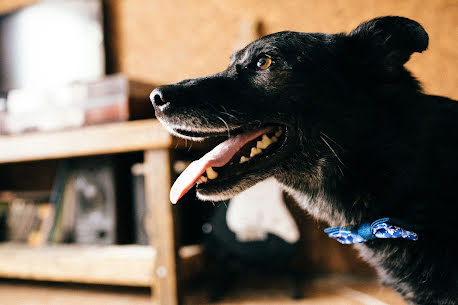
(282, 100)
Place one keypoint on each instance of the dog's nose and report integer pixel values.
(157, 99)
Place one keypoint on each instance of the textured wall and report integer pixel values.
(167, 40)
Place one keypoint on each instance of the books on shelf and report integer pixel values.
(95, 202)
(29, 216)
(85, 202)
(80, 208)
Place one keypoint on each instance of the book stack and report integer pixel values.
(74, 105)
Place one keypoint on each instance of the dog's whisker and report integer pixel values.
(225, 112)
(329, 138)
(210, 103)
(341, 171)
(186, 144)
(227, 126)
(224, 108)
(335, 154)
(229, 115)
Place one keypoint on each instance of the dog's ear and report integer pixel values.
(388, 40)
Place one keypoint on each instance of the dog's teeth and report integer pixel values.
(260, 145)
(264, 143)
(243, 159)
(274, 139)
(202, 179)
(266, 140)
(255, 151)
(211, 174)
(278, 133)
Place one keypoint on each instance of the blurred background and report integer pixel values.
(85, 169)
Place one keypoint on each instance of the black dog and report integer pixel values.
(347, 130)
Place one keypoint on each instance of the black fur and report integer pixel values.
(362, 140)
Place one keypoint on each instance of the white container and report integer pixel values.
(52, 43)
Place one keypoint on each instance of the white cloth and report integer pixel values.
(260, 210)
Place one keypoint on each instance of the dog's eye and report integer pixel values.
(264, 62)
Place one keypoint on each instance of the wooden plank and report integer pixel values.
(162, 233)
(113, 265)
(192, 261)
(92, 140)
(18, 293)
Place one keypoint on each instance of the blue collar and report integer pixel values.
(381, 228)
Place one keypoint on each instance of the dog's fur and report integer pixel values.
(362, 140)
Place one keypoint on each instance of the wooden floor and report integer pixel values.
(327, 290)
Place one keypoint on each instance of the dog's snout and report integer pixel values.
(157, 98)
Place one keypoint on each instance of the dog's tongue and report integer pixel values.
(217, 157)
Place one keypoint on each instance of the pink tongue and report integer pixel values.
(217, 157)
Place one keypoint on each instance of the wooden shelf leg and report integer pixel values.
(162, 237)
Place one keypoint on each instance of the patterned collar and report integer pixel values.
(381, 228)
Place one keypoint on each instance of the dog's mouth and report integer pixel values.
(245, 151)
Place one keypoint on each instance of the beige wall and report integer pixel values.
(162, 41)
(7, 6)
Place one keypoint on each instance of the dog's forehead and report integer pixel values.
(265, 45)
(276, 44)
(246, 54)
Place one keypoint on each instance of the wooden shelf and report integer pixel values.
(129, 265)
(91, 140)
(114, 265)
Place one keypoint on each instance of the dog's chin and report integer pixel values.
(228, 188)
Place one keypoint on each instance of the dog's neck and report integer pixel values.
(323, 207)
(318, 206)
(326, 196)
